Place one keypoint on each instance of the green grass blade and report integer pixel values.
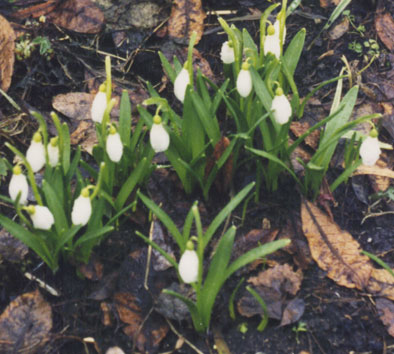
(56, 208)
(294, 50)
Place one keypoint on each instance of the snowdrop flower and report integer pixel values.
(18, 183)
(99, 105)
(281, 107)
(188, 264)
(159, 138)
(53, 151)
(114, 145)
(244, 81)
(35, 154)
(82, 208)
(370, 150)
(227, 53)
(180, 84)
(41, 217)
(272, 42)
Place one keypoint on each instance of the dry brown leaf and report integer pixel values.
(381, 283)
(281, 278)
(293, 312)
(7, 46)
(81, 16)
(74, 105)
(93, 270)
(384, 25)
(386, 312)
(159, 262)
(187, 16)
(334, 250)
(298, 128)
(339, 30)
(327, 3)
(35, 11)
(374, 170)
(25, 324)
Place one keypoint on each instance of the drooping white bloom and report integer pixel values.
(35, 154)
(114, 145)
(180, 84)
(53, 152)
(244, 81)
(281, 107)
(227, 53)
(82, 209)
(99, 105)
(159, 138)
(370, 151)
(41, 217)
(18, 183)
(188, 266)
(272, 42)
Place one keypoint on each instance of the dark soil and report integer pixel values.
(338, 320)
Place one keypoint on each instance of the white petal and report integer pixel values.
(244, 83)
(277, 30)
(370, 151)
(53, 154)
(282, 109)
(227, 53)
(35, 155)
(98, 107)
(188, 267)
(18, 183)
(159, 138)
(82, 210)
(114, 147)
(180, 84)
(42, 218)
(272, 45)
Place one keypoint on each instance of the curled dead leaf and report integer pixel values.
(187, 16)
(334, 250)
(386, 313)
(81, 16)
(7, 46)
(384, 25)
(25, 324)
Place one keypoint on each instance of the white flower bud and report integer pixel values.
(41, 217)
(35, 154)
(281, 107)
(82, 209)
(159, 138)
(244, 82)
(370, 151)
(227, 53)
(53, 152)
(272, 42)
(98, 106)
(180, 84)
(18, 183)
(188, 266)
(114, 146)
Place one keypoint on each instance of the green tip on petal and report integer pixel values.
(190, 245)
(373, 133)
(271, 30)
(17, 170)
(156, 119)
(279, 91)
(185, 64)
(37, 137)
